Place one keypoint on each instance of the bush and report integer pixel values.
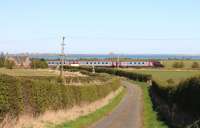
(9, 64)
(17, 95)
(195, 65)
(178, 65)
(170, 81)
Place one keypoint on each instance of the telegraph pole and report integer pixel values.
(93, 69)
(118, 61)
(62, 56)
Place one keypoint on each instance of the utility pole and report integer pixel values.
(62, 56)
(118, 61)
(93, 69)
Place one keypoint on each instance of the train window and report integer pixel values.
(99, 63)
(102, 62)
(106, 62)
(90, 62)
(94, 62)
(86, 62)
(135, 63)
(142, 62)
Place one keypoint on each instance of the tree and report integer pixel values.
(2, 60)
(9, 64)
(39, 64)
(195, 65)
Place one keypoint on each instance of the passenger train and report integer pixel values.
(105, 63)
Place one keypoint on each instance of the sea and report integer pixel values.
(106, 56)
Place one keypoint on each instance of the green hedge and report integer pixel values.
(18, 95)
(182, 99)
(113, 71)
(186, 94)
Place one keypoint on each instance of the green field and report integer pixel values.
(161, 75)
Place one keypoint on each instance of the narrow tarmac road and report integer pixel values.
(128, 114)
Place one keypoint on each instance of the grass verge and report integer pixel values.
(150, 116)
(87, 120)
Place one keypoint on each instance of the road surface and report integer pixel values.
(128, 114)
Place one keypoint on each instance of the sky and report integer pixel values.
(100, 27)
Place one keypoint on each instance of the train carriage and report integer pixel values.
(106, 63)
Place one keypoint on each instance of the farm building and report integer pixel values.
(20, 61)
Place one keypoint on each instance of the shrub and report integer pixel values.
(178, 65)
(195, 65)
(9, 64)
(170, 81)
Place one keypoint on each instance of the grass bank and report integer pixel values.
(150, 116)
(86, 121)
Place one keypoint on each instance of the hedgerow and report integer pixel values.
(182, 99)
(127, 74)
(19, 95)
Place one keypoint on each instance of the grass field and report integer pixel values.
(187, 63)
(27, 72)
(162, 76)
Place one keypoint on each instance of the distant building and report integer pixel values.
(20, 61)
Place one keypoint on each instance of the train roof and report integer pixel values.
(104, 60)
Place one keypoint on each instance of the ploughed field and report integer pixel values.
(162, 76)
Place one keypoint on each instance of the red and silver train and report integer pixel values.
(105, 63)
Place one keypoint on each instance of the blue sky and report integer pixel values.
(103, 26)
